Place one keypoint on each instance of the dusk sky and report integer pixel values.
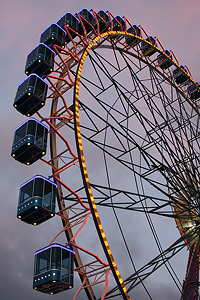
(175, 22)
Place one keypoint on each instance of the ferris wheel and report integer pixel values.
(123, 131)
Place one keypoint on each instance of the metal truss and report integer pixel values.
(148, 129)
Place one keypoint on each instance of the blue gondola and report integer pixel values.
(194, 91)
(53, 35)
(31, 95)
(148, 50)
(132, 40)
(163, 61)
(118, 24)
(87, 20)
(30, 141)
(179, 76)
(54, 269)
(70, 21)
(40, 60)
(36, 200)
(103, 20)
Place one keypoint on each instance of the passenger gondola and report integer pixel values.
(87, 20)
(146, 48)
(163, 61)
(30, 141)
(103, 19)
(133, 41)
(36, 200)
(179, 76)
(53, 35)
(53, 269)
(194, 91)
(40, 61)
(72, 23)
(31, 95)
(118, 24)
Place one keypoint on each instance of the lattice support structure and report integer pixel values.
(166, 143)
(191, 282)
(95, 276)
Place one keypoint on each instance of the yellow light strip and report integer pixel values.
(83, 158)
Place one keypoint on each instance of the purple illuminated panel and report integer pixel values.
(30, 76)
(38, 176)
(48, 28)
(45, 46)
(54, 245)
(33, 120)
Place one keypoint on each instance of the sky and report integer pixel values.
(174, 22)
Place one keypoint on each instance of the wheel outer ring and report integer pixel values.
(84, 172)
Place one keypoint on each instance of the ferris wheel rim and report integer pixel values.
(76, 120)
(86, 36)
(150, 63)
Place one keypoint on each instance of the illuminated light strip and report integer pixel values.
(52, 246)
(82, 158)
(189, 75)
(40, 53)
(33, 119)
(50, 26)
(27, 78)
(38, 176)
(175, 63)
